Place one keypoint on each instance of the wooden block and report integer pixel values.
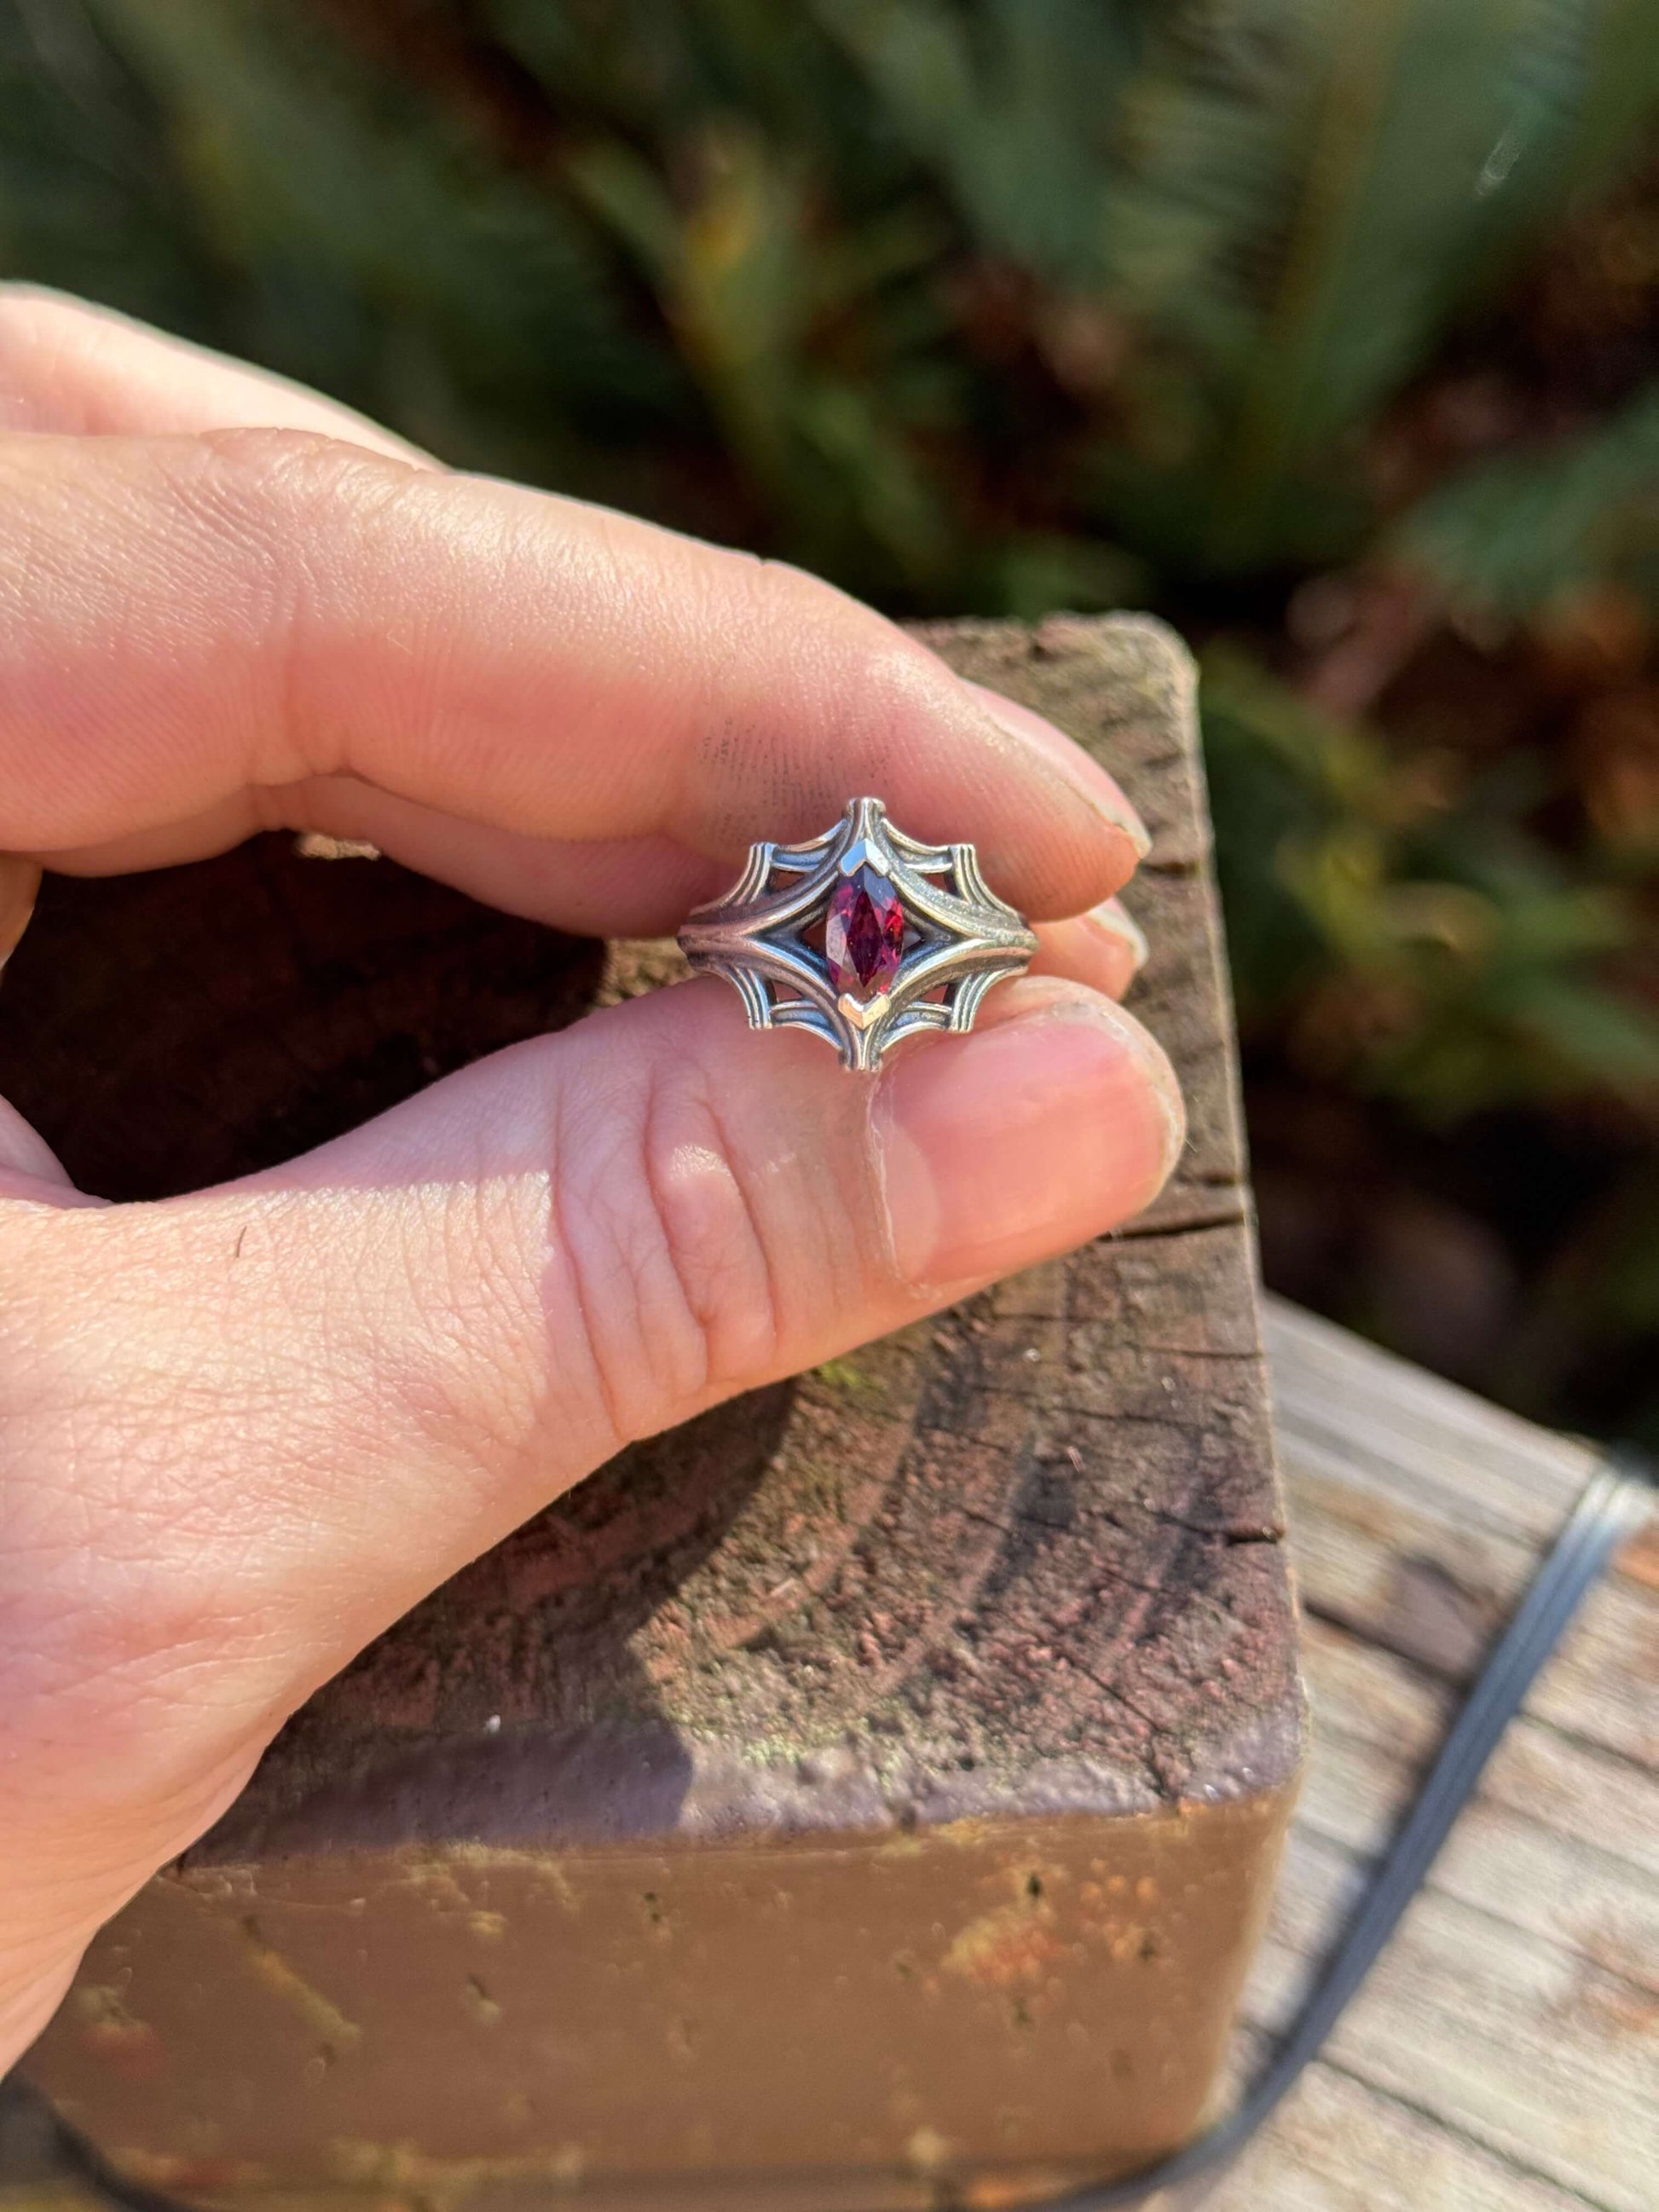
(869, 1791)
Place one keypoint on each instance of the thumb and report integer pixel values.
(248, 1428)
(386, 1354)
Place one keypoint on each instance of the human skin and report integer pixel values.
(243, 1430)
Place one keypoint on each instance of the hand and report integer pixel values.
(244, 1429)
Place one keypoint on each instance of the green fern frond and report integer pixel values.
(1508, 534)
(1009, 104)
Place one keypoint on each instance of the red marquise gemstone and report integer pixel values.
(864, 934)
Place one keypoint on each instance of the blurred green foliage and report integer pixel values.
(1431, 948)
(1002, 304)
(974, 304)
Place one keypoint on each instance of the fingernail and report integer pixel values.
(1112, 919)
(1049, 1128)
(1081, 768)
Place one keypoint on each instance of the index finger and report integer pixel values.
(182, 620)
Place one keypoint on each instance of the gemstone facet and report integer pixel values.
(864, 933)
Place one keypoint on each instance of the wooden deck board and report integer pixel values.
(1504, 2057)
(1505, 2051)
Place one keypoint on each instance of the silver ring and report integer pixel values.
(863, 936)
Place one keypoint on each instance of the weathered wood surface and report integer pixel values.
(915, 1739)
(1504, 2057)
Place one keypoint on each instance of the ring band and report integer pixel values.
(864, 936)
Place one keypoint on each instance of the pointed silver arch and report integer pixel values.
(959, 937)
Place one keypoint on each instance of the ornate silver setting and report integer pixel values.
(767, 936)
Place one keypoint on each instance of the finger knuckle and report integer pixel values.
(291, 520)
(675, 1280)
